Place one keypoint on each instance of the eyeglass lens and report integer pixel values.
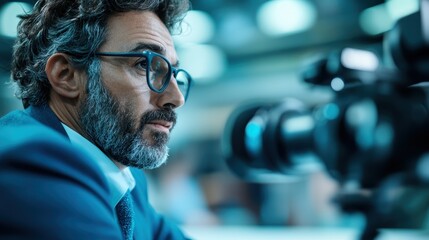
(158, 72)
(183, 82)
(159, 69)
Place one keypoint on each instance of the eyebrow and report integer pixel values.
(149, 46)
(154, 48)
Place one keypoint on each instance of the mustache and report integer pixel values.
(158, 114)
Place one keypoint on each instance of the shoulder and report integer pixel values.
(24, 139)
(47, 182)
(38, 145)
(17, 117)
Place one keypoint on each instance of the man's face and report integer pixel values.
(127, 120)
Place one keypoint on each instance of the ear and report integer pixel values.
(64, 78)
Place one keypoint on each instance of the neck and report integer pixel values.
(68, 113)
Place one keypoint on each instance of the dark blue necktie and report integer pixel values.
(125, 213)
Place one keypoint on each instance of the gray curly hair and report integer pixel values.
(77, 26)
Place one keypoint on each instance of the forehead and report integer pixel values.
(130, 30)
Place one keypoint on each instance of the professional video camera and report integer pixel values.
(372, 137)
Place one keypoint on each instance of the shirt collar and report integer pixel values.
(120, 181)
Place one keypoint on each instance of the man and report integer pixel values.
(100, 84)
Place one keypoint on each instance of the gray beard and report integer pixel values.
(111, 127)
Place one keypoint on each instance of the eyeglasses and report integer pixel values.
(158, 71)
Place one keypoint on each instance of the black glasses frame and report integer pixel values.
(149, 55)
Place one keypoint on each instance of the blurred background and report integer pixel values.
(240, 51)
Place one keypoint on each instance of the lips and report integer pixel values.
(159, 120)
(162, 124)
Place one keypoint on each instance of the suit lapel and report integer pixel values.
(44, 114)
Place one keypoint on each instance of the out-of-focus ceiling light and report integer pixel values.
(281, 17)
(197, 27)
(359, 59)
(204, 62)
(375, 20)
(401, 8)
(337, 84)
(381, 18)
(9, 17)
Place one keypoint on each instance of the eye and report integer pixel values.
(141, 63)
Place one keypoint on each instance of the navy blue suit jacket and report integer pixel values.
(50, 189)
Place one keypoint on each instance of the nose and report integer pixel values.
(172, 96)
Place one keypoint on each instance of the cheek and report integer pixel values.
(136, 100)
(130, 90)
(134, 104)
